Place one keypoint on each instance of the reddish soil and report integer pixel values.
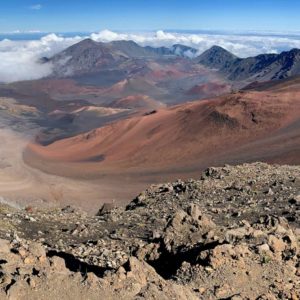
(209, 89)
(137, 101)
(53, 87)
(245, 126)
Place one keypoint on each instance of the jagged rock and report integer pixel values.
(186, 228)
(237, 233)
(221, 255)
(223, 291)
(106, 208)
(58, 265)
(68, 209)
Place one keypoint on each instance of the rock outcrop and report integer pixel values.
(233, 234)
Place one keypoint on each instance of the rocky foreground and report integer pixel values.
(232, 234)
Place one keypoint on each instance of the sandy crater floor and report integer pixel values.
(22, 185)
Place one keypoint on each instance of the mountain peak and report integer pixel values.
(216, 57)
(219, 50)
(294, 52)
(80, 46)
(87, 42)
(124, 42)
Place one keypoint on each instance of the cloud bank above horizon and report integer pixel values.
(19, 60)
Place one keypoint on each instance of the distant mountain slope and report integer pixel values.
(288, 84)
(133, 50)
(85, 56)
(118, 59)
(183, 51)
(261, 68)
(89, 56)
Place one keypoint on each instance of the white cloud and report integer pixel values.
(36, 7)
(108, 36)
(19, 59)
(242, 45)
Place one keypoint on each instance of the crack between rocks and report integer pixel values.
(75, 265)
(168, 263)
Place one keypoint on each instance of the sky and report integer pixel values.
(94, 15)
(30, 30)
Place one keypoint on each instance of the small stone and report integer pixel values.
(68, 209)
(4, 246)
(222, 292)
(32, 283)
(29, 260)
(276, 244)
(31, 219)
(42, 259)
(270, 192)
(258, 233)
(234, 234)
(294, 296)
(22, 252)
(156, 235)
(36, 249)
(262, 249)
(236, 297)
(92, 279)
(194, 211)
(58, 264)
(280, 230)
(5, 279)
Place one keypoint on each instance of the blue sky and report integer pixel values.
(92, 15)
